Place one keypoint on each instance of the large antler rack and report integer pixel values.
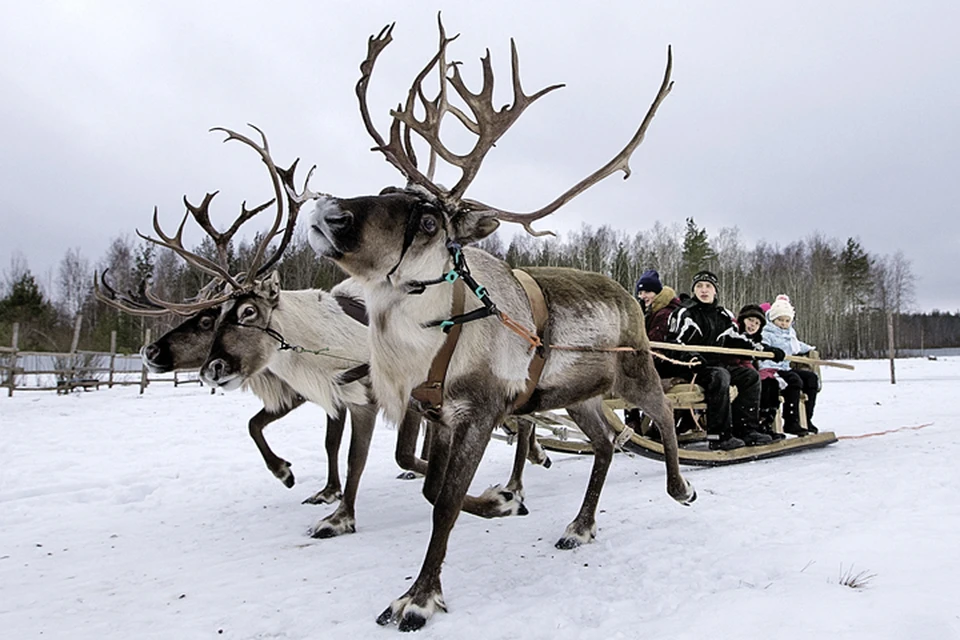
(488, 124)
(288, 203)
(139, 303)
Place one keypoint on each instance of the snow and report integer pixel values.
(154, 517)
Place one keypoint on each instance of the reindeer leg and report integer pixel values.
(589, 417)
(537, 454)
(495, 502)
(425, 597)
(343, 520)
(515, 484)
(405, 454)
(644, 390)
(331, 492)
(277, 465)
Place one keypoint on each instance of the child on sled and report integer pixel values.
(751, 320)
(779, 332)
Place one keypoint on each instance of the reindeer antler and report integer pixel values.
(134, 304)
(288, 203)
(487, 123)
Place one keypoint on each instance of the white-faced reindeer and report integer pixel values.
(405, 246)
(187, 345)
(314, 343)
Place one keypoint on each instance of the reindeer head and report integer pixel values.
(402, 231)
(240, 345)
(185, 346)
(188, 344)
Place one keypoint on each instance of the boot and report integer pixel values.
(724, 442)
(767, 418)
(810, 404)
(793, 427)
(791, 417)
(631, 418)
(755, 438)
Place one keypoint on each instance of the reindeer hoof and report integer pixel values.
(409, 615)
(284, 475)
(386, 617)
(331, 528)
(412, 621)
(547, 462)
(325, 496)
(576, 535)
(686, 497)
(567, 543)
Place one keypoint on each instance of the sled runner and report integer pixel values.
(556, 432)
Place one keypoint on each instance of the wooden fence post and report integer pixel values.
(144, 381)
(12, 381)
(73, 347)
(113, 357)
(890, 347)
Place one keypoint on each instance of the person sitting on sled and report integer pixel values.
(658, 302)
(751, 320)
(701, 320)
(779, 332)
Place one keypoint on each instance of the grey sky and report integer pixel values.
(785, 119)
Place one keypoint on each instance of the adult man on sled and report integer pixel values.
(702, 320)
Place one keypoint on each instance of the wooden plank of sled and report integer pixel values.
(709, 458)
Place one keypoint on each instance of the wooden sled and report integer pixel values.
(557, 432)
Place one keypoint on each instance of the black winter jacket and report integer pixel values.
(696, 323)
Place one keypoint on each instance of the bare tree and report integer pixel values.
(73, 282)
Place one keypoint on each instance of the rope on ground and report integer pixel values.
(883, 433)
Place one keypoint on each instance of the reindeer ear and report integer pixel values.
(473, 226)
(270, 287)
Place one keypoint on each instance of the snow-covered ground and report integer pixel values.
(126, 516)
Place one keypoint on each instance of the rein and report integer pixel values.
(461, 271)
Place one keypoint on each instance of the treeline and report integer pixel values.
(842, 293)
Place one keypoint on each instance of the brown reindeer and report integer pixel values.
(405, 246)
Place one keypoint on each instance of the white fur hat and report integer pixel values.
(781, 307)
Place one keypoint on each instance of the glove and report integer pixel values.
(778, 354)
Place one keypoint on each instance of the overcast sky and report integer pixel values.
(785, 118)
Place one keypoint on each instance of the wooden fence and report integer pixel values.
(77, 370)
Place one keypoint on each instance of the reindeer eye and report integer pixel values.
(428, 224)
(248, 313)
(206, 323)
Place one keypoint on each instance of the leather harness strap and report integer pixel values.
(538, 306)
(430, 392)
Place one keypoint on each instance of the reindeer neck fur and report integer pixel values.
(402, 349)
(313, 320)
(275, 394)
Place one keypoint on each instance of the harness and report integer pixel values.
(429, 394)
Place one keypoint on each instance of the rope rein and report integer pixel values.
(286, 346)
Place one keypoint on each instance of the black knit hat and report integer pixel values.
(649, 281)
(751, 311)
(705, 276)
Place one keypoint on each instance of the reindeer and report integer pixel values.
(328, 367)
(406, 248)
(187, 345)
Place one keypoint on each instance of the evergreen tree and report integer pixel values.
(697, 254)
(26, 305)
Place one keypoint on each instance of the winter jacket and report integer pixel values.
(785, 339)
(752, 363)
(696, 323)
(658, 315)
